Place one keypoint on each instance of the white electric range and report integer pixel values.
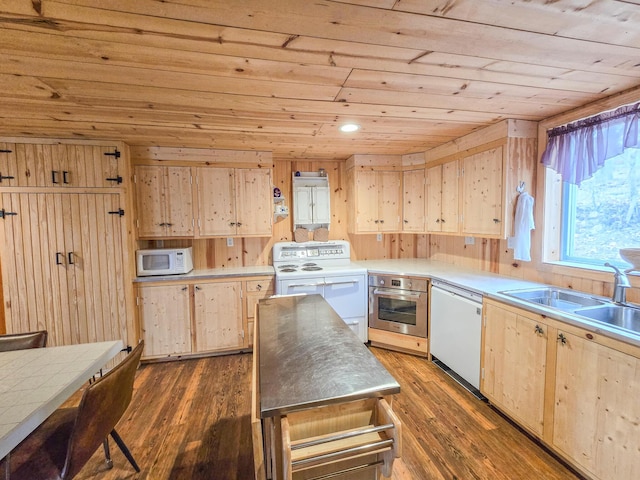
(324, 268)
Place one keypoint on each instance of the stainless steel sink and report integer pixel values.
(565, 300)
(616, 315)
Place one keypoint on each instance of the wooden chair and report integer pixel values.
(22, 341)
(60, 447)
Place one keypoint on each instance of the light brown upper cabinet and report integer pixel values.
(375, 201)
(482, 189)
(164, 200)
(60, 165)
(234, 202)
(491, 163)
(413, 200)
(442, 198)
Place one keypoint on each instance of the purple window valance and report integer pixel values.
(577, 150)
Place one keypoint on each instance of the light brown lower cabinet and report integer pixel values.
(199, 317)
(574, 389)
(515, 360)
(165, 319)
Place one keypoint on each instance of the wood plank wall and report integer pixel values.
(486, 254)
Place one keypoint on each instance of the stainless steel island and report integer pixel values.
(319, 406)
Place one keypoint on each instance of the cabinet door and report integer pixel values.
(216, 201)
(482, 193)
(254, 201)
(165, 319)
(366, 194)
(150, 201)
(61, 165)
(303, 205)
(179, 202)
(449, 203)
(63, 271)
(390, 201)
(9, 170)
(321, 205)
(596, 408)
(255, 291)
(413, 200)
(514, 365)
(218, 316)
(434, 198)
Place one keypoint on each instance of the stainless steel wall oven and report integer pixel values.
(398, 304)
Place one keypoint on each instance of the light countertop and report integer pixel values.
(211, 274)
(490, 285)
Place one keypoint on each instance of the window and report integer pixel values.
(602, 215)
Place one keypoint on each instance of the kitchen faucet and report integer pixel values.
(620, 284)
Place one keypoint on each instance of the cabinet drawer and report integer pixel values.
(265, 285)
(338, 441)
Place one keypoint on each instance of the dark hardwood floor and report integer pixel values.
(189, 419)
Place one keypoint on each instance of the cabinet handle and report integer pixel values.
(5, 177)
(539, 330)
(258, 287)
(442, 220)
(437, 220)
(239, 224)
(376, 221)
(162, 224)
(562, 339)
(232, 224)
(496, 220)
(58, 255)
(117, 179)
(381, 221)
(54, 178)
(169, 224)
(406, 221)
(65, 177)
(70, 257)
(185, 288)
(197, 288)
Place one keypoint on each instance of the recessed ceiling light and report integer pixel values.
(349, 127)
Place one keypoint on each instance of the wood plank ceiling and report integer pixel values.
(282, 75)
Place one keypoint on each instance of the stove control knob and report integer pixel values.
(381, 282)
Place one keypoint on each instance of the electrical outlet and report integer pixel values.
(469, 241)
(379, 237)
(229, 241)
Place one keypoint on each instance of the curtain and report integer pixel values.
(577, 150)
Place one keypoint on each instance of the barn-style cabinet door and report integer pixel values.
(63, 265)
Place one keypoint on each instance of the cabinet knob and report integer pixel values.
(539, 330)
(496, 220)
(562, 339)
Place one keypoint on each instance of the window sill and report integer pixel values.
(569, 268)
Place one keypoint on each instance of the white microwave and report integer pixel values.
(164, 261)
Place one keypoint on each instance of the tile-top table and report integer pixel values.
(35, 382)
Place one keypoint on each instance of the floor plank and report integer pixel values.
(189, 419)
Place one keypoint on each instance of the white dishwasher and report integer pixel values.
(456, 328)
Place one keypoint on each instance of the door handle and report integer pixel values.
(347, 282)
(294, 285)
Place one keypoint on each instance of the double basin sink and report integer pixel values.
(583, 305)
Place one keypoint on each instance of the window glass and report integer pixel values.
(602, 215)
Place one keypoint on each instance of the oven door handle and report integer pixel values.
(295, 285)
(396, 293)
(345, 282)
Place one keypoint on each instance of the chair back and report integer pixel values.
(101, 407)
(22, 341)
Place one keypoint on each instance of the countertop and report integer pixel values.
(490, 285)
(211, 274)
(309, 357)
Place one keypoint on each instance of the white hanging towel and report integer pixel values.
(522, 228)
